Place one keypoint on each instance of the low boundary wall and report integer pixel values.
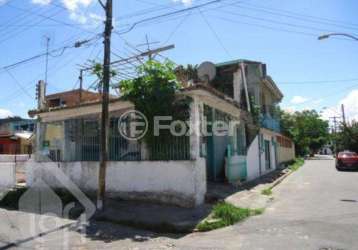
(180, 183)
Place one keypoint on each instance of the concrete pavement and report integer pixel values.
(314, 208)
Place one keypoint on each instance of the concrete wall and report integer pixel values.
(181, 183)
(13, 158)
(7, 175)
(256, 163)
(272, 153)
(286, 154)
(253, 164)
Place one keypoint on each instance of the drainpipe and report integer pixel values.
(242, 67)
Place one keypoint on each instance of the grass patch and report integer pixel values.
(225, 214)
(297, 163)
(267, 191)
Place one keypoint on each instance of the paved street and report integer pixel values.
(314, 208)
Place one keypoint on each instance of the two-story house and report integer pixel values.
(174, 168)
(248, 83)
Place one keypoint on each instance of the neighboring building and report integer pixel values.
(256, 89)
(175, 169)
(15, 135)
(71, 98)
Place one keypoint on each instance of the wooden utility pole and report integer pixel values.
(343, 115)
(105, 103)
(335, 132)
(81, 87)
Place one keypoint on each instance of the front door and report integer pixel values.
(267, 155)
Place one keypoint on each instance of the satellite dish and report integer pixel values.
(207, 71)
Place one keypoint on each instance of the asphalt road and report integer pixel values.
(314, 208)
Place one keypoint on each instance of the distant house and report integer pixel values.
(174, 169)
(15, 135)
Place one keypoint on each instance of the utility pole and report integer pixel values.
(335, 132)
(343, 115)
(81, 87)
(105, 103)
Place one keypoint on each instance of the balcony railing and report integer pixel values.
(270, 123)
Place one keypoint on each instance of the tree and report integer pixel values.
(347, 137)
(308, 131)
(153, 93)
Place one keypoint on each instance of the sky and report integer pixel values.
(312, 74)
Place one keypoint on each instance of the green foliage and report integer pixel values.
(255, 111)
(267, 191)
(225, 214)
(97, 70)
(308, 131)
(153, 93)
(185, 74)
(347, 138)
(297, 163)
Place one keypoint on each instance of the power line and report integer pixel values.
(320, 82)
(277, 22)
(333, 93)
(15, 32)
(19, 84)
(177, 27)
(51, 18)
(62, 49)
(300, 16)
(217, 37)
(265, 26)
(166, 15)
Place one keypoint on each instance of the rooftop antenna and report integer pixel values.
(147, 44)
(207, 72)
(47, 54)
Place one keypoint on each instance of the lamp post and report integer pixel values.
(325, 36)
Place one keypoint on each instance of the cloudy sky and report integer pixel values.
(311, 73)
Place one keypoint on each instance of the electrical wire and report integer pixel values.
(217, 37)
(51, 18)
(62, 49)
(166, 15)
(298, 16)
(320, 82)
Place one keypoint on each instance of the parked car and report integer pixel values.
(347, 160)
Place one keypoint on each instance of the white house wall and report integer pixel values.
(181, 183)
(7, 174)
(253, 164)
(255, 161)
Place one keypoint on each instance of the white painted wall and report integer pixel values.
(181, 183)
(7, 175)
(253, 164)
(13, 158)
(253, 158)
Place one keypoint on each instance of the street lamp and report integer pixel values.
(325, 36)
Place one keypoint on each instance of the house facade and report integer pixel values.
(15, 135)
(231, 135)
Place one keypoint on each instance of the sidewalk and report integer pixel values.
(154, 217)
(172, 219)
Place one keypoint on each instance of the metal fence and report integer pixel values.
(80, 141)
